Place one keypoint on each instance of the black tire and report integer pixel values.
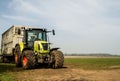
(58, 58)
(17, 56)
(28, 59)
(5, 59)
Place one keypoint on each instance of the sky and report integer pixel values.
(81, 26)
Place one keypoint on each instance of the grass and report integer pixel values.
(4, 67)
(4, 71)
(94, 63)
(6, 77)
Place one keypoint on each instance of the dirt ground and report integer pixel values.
(65, 74)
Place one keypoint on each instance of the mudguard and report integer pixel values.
(54, 49)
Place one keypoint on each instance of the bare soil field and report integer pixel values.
(65, 74)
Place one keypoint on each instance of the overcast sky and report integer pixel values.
(82, 26)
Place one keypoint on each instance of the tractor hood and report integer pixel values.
(41, 46)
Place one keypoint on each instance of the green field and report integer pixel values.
(76, 63)
(5, 69)
(93, 63)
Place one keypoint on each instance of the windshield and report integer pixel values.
(36, 35)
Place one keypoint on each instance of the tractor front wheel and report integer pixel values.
(58, 58)
(28, 59)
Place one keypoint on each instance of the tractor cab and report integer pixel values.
(36, 39)
(34, 35)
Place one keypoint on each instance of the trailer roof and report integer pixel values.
(26, 27)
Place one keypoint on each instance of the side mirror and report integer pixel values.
(53, 31)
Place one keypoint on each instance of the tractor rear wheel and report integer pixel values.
(28, 59)
(58, 59)
(17, 57)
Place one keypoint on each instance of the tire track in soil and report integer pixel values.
(65, 74)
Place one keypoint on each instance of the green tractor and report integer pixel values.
(35, 49)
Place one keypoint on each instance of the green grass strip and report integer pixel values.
(93, 63)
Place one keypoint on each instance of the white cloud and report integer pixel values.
(19, 18)
(26, 7)
(83, 15)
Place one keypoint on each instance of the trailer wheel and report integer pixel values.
(17, 60)
(58, 59)
(17, 56)
(28, 59)
(1, 59)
